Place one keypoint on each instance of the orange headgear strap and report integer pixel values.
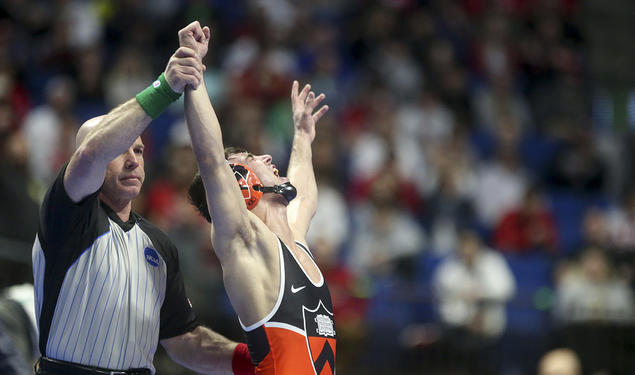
(249, 183)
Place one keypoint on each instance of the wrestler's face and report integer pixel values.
(125, 174)
(262, 167)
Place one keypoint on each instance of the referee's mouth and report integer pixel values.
(130, 178)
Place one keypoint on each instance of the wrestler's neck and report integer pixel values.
(121, 207)
(272, 210)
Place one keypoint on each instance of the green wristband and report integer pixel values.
(157, 97)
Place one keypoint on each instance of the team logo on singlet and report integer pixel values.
(320, 336)
(151, 257)
(325, 325)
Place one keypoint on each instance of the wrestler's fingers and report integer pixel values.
(318, 115)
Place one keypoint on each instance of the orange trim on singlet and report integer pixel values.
(289, 354)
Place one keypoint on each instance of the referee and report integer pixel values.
(107, 283)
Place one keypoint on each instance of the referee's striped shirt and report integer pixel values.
(106, 290)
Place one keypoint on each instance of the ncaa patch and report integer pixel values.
(320, 336)
(151, 257)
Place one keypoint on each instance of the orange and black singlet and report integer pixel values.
(298, 336)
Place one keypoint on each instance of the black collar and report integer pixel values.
(125, 225)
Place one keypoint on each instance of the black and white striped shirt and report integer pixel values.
(106, 290)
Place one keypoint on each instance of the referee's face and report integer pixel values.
(125, 174)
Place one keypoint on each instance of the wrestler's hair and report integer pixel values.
(196, 191)
(229, 151)
(198, 198)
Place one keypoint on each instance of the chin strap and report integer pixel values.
(287, 190)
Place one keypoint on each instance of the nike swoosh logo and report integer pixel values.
(295, 290)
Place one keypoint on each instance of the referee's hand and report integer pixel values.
(184, 69)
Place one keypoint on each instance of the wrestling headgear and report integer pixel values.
(252, 188)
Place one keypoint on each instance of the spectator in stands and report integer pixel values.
(330, 228)
(18, 336)
(372, 145)
(166, 201)
(127, 76)
(577, 167)
(19, 210)
(384, 230)
(49, 130)
(447, 212)
(397, 68)
(621, 228)
(421, 128)
(89, 69)
(595, 311)
(591, 292)
(13, 92)
(502, 182)
(621, 224)
(595, 228)
(472, 289)
(14, 182)
(560, 362)
(497, 102)
(529, 227)
(11, 360)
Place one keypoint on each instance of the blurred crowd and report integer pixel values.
(476, 190)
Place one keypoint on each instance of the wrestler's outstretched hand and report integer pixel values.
(195, 37)
(303, 104)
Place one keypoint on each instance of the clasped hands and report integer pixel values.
(185, 68)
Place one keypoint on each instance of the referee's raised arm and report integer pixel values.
(102, 139)
(108, 285)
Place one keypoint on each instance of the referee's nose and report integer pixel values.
(132, 160)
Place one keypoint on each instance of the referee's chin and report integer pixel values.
(127, 193)
(130, 186)
(134, 192)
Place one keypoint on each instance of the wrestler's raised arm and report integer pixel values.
(300, 171)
